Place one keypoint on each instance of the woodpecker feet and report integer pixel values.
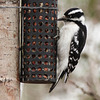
(57, 36)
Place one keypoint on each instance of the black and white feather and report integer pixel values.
(71, 43)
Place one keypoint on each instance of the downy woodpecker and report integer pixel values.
(71, 42)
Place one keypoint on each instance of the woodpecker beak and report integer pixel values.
(62, 19)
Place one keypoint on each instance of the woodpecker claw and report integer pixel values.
(57, 36)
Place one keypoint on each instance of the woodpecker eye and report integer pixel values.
(70, 16)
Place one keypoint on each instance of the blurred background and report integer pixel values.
(84, 82)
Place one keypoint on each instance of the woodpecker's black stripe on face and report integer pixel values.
(76, 15)
(70, 10)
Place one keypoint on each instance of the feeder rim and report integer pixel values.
(24, 7)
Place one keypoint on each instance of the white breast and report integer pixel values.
(66, 34)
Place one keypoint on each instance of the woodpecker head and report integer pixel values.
(73, 14)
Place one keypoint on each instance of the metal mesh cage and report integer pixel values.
(39, 26)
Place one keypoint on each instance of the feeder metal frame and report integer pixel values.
(39, 27)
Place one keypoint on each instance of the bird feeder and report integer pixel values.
(38, 53)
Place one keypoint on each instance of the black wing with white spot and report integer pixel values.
(76, 47)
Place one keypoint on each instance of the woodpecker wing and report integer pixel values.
(76, 47)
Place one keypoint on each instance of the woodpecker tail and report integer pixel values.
(59, 77)
(66, 77)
